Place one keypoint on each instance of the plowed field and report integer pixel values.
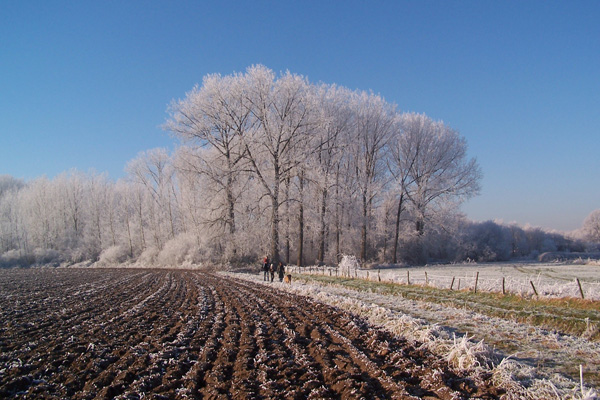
(125, 333)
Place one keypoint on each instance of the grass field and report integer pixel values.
(566, 315)
(548, 280)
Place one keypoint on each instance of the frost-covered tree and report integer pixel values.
(373, 126)
(433, 157)
(10, 218)
(215, 116)
(591, 226)
(266, 162)
(9, 184)
(488, 241)
(280, 139)
(154, 170)
(399, 163)
(71, 195)
(210, 198)
(100, 214)
(331, 139)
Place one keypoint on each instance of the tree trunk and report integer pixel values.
(420, 225)
(321, 256)
(397, 231)
(231, 216)
(363, 241)
(230, 205)
(287, 220)
(338, 212)
(141, 220)
(129, 236)
(301, 223)
(275, 225)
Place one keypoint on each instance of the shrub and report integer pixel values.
(114, 255)
(183, 249)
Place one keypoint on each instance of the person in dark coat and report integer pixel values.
(281, 271)
(266, 264)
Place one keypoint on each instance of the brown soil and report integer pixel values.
(132, 334)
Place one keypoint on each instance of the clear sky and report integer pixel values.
(86, 84)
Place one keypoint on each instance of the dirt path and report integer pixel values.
(87, 334)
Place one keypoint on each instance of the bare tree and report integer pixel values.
(215, 115)
(98, 188)
(278, 144)
(431, 164)
(374, 120)
(10, 218)
(399, 164)
(330, 140)
(154, 170)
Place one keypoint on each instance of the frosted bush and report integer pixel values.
(12, 258)
(77, 255)
(348, 264)
(46, 256)
(183, 249)
(148, 257)
(114, 255)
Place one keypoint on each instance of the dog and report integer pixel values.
(288, 279)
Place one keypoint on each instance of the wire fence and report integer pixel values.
(474, 280)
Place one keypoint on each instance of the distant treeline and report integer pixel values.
(80, 217)
(272, 165)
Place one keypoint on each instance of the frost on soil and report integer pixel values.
(431, 326)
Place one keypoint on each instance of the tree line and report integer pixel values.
(272, 165)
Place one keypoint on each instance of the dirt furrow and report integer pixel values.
(189, 334)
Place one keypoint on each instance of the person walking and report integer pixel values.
(272, 269)
(266, 264)
(281, 271)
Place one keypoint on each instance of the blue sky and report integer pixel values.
(86, 84)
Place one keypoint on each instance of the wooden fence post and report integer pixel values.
(452, 284)
(476, 281)
(426, 279)
(408, 277)
(534, 291)
(580, 289)
(503, 286)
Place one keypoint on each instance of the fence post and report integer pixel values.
(534, 291)
(379, 275)
(426, 279)
(503, 286)
(580, 289)
(408, 277)
(452, 284)
(476, 281)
